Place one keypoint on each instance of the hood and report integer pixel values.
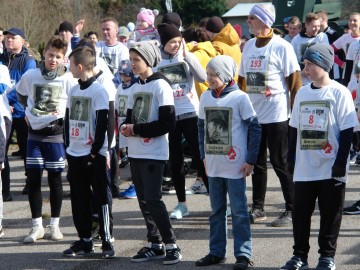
(153, 77)
(232, 86)
(205, 46)
(228, 35)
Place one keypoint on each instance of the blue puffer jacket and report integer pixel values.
(18, 64)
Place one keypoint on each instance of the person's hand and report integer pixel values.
(89, 160)
(184, 47)
(338, 171)
(204, 161)
(246, 169)
(12, 109)
(108, 160)
(79, 26)
(127, 130)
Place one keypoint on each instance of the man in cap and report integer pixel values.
(66, 31)
(17, 59)
(215, 127)
(270, 73)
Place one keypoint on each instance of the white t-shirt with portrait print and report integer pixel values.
(319, 115)
(32, 84)
(155, 94)
(225, 159)
(344, 41)
(112, 55)
(265, 70)
(183, 86)
(82, 125)
(353, 54)
(123, 96)
(4, 102)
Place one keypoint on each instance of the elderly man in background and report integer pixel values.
(271, 86)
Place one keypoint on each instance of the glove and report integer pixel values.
(88, 161)
(338, 171)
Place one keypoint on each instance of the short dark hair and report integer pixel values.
(110, 19)
(195, 34)
(83, 56)
(58, 43)
(88, 34)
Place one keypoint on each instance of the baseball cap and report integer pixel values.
(15, 31)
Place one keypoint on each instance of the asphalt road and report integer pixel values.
(271, 246)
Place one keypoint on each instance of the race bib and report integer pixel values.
(79, 131)
(314, 123)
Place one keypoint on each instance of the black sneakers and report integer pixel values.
(173, 256)
(209, 260)
(257, 215)
(285, 219)
(149, 253)
(353, 209)
(79, 248)
(295, 263)
(242, 263)
(107, 250)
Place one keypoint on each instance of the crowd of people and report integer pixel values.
(143, 91)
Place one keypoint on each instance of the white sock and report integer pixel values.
(171, 246)
(54, 221)
(37, 222)
(156, 245)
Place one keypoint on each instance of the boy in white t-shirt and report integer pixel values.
(87, 153)
(44, 91)
(147, 128)
(229, 142)
(322, 123)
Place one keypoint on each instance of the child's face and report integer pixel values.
(312, 71)
(312, 28)
(125, 78)
(294, 29)
(213, 79)
(142, 25)
(173, 45)
(53, 57)
(138, 65)
(354, 22)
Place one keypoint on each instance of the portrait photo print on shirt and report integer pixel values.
(141, 108)
(46, 99)
(123, 103)
(179, 78)
(217, 126)
(80, 108)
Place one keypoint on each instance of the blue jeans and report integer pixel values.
(219, 187)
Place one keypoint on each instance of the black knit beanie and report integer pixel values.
(66, 26)
(168, 31)
(214, 24)
(172, 17)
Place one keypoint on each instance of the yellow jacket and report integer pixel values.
(227, 42)
(203, 51)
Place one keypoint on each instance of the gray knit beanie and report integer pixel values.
(224, 66)
(149, 51)
(321, 55)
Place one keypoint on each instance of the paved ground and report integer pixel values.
(272, 246)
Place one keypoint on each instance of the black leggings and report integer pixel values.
(35, 195)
